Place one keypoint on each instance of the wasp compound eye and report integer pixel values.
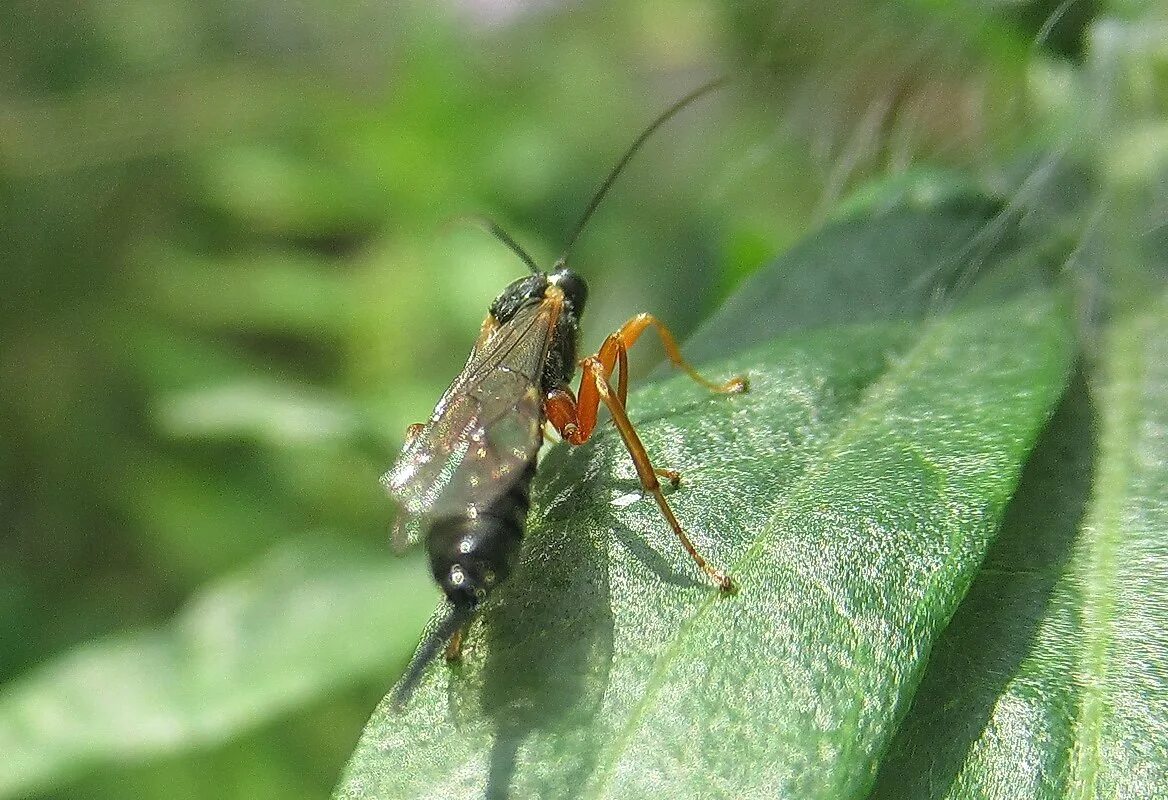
(573, 286)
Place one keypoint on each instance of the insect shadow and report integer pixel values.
(550, 638)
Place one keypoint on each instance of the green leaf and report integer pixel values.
(307, 619)
(852, 493)
(1050, 682)
(902, 260)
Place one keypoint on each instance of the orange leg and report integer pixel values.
(575, 419)
(614, 353)
(671, 475)
(454, 648)
(622, 368)
(560, 405)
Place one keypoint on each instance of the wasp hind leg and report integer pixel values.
(576, 421)
(613, 354)
(619, 343)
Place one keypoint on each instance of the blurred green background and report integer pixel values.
(229, 283)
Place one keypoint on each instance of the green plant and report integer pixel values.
(227, 290)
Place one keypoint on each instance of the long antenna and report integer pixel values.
(668, 114)
(493, 228)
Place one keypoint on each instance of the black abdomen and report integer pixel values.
(472, 554)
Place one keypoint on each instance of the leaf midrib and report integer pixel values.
(878, 393)
(1121, 401)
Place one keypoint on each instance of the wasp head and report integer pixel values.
(574, 288)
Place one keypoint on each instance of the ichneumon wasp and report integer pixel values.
(465, 475)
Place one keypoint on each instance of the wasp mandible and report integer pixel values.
(465, 475)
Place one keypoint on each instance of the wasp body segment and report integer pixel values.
(472, 549)
(471, 554)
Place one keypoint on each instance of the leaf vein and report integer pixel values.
(868, 409)
(1098, 575)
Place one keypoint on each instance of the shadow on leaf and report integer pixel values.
(988, 646)
(550, 677)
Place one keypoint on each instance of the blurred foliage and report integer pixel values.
(229, 281)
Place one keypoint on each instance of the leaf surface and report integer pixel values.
(898, 260)
(852, 493)
(1051, 681)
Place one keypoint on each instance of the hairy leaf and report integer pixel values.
(1051, 681)
(852, 493)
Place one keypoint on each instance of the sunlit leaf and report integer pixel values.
(853, 494)
(1051, 683)
(897, 260)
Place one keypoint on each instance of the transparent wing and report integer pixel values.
(485, 428)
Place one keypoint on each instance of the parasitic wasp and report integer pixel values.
(463, 479)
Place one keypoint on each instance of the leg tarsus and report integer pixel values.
(739, 384)
(454, 647)
(671, 475)
(595, 372)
